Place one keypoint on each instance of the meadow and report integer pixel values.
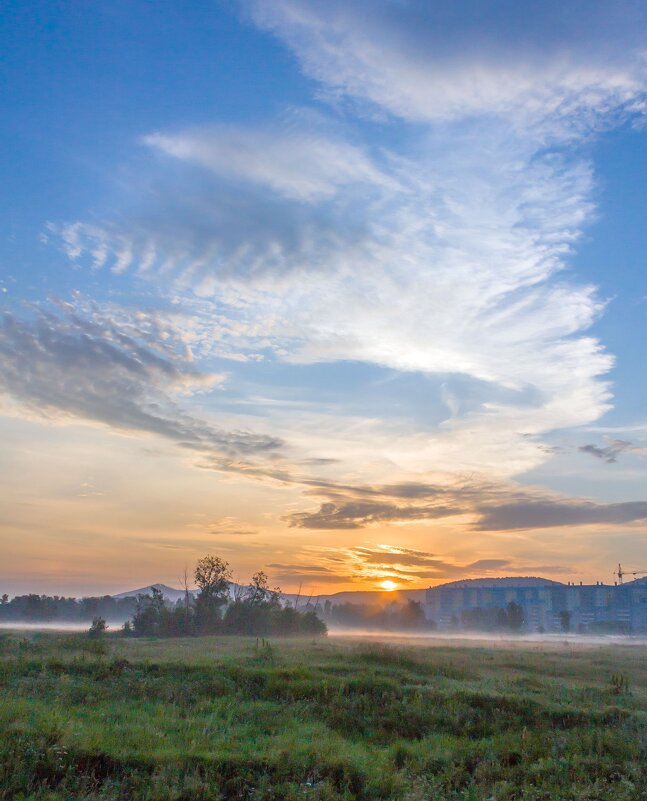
(208, 718)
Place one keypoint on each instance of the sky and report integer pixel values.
(350, 292)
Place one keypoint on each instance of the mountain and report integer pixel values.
(169, 593)
(370, 597)
(351, 596)
(516, 581)
(375, 597)
(378, 597)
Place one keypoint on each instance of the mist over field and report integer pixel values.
(44, 626)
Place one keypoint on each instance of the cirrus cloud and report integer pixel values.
(61, 364)
(441, 61)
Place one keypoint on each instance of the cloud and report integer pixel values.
(395, 556)
(488, 564)
(406, 565)
(300, 163)
(450, 273)
(206, 234)
(610, 452)
(310, 578)
(357, 514)
(74, 362)
(490, 506)
(550, 513)
(228, 527)
(405, 561)
(67, 366)
(444, 61)
(298, 567)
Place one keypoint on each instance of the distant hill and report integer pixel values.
(368, 596)
(169, 593)
(356, 596)
(516, 581)
(400, 596)
(377, 597)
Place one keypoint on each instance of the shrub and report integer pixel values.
(98, 628)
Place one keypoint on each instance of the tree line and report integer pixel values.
(254, 610)
(34, 608)
(408, 616)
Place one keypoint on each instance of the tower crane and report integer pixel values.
(620, 573)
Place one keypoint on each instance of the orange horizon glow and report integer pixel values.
(74, 534)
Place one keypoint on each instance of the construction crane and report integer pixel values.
(620, 573)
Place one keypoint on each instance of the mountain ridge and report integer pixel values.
(366, 596)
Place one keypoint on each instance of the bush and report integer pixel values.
(98, 628)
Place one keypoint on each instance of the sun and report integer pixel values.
(389, 586)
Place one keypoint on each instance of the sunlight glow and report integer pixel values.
(389, 586)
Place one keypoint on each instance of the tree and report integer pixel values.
(144, 619)
(259, 592)
(157, 601)
(253, 611)
(412, 615)
(89, 608)
(565, 620)
(165, 619)
(98, 628)
(311, 624)
(187, 595)
(212, 575)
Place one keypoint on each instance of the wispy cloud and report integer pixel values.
(442, 61)
(299, 162)
(405, 566)
(487, 506)
(609, 453)
(228, 527)
(357, 514)
(548, 513)
(57, 363)
(451, 273)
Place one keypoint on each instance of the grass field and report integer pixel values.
(230, 718)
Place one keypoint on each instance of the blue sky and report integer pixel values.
(349, 291)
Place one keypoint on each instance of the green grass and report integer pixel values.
(223, 718)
